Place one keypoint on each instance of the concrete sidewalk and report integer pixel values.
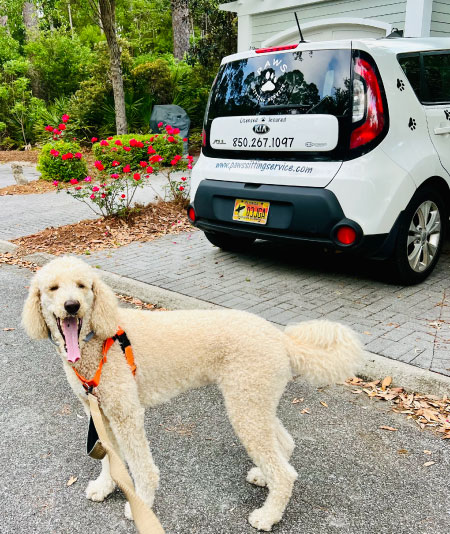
(353, 476)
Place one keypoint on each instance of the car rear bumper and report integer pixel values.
(296, 214)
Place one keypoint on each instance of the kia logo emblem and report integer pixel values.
(261, 128)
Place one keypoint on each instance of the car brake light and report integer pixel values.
(346, 235)
(366, 101)
(275, 49)
(203, 137)
(191, 214)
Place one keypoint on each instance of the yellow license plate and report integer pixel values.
(253, 211)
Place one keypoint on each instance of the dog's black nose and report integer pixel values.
(72, 306)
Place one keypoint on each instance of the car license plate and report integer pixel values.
(253, 211)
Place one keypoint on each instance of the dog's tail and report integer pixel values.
(323, 351)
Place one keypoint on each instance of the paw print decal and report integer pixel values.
(400, 84)
(271, 80)
(447, 114)
(412, 123)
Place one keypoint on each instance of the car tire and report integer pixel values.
(228, 242)
(420, 236)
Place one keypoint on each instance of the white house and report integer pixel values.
(264, 23)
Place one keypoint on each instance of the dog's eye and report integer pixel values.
(54, 288)
(80, 285)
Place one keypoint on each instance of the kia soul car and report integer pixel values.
(343, 143)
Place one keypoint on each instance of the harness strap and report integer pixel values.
(125, 345)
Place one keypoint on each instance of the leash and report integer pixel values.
(145, 520)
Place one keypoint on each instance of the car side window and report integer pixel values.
(437, 77)
(411, 67)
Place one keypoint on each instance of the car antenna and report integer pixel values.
(299, 29)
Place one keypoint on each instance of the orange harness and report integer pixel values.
(107, 344)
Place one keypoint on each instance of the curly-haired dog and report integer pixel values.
(247, 357)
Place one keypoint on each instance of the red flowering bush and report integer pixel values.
(62, 161)
(127, 162)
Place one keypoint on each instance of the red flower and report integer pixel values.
(151, 150)
(78, 187)
(114, 148)
(123, 196)
(176, 131)
(110, 138)
(127, 168)
(69, 155)
(169, 129)
(139, 144)
(56, 131)
(114, 176)
(92, 196)
(174, 161)
(149, 170)
(184, 178)
(94, 139)
(115, 163)
(79, 155)
(143, 163)
(73, 181)
(127, 148)
(54, 152)
(137, 176)
(49, 128)
(104, 143)
(181, 188)
(103, 195)
(62, 126)
(55, 183)
(171, 139)
(95, 189)
(185, 139)
(133, 142)
(155, 159)
(189, 165)
(65, 118)
(118, 142)
(99, 165)
(160, 124)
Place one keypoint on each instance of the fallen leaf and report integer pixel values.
(296, 400)
(390, 428)
(402, 451)
(8, 329)
(71, 481)
(427, 464)
(367, 333)
(426, 451)
(304, 411)
(324, 404)
(386, 382)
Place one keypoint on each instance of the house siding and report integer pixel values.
(440, 19)
(393, 12)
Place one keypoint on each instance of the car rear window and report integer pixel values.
(315, 81)
(437, 77)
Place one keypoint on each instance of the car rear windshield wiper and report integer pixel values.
(278, 107)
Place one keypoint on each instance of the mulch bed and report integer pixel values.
(35, 187)
(29, 156)
(145, 224)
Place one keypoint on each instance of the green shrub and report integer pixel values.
(54, 165)
(115, 152)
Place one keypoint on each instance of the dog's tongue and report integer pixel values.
(70, 329)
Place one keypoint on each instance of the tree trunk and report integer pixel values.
(107, 9)
(180, 27)
(30, 20)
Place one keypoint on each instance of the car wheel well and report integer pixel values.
(437, 182)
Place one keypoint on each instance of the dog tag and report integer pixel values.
(94, 447)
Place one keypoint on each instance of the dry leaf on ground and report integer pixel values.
(390, 428)
(71, 481)
(427, 464)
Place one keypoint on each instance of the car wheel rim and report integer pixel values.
(423, 236)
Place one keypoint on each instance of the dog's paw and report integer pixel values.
(255, 476)
(261, 519)
(98, 490)
(128, 513)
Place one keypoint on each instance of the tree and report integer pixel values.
(180, 26)
(107, 17)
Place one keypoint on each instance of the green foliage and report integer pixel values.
(53, 167)
(9, 47)
(59, 62)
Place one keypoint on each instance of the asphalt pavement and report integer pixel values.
(353, 476)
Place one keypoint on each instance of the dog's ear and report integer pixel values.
(32, 318)
(104, 310)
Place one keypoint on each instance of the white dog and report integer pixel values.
(247, 357)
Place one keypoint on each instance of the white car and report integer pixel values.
(340, 143)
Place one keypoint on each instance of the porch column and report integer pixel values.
(418, 18)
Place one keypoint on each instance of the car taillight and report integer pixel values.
(191, 213)
(275, 49)
(346, 235)
(203, 137)
(367, 104)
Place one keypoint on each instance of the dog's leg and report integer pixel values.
(286, 444)
(97, 490)
(127, 424)
(253, 417)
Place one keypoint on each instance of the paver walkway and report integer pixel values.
(409, 324)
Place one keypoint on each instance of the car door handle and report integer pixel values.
(442, 130)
